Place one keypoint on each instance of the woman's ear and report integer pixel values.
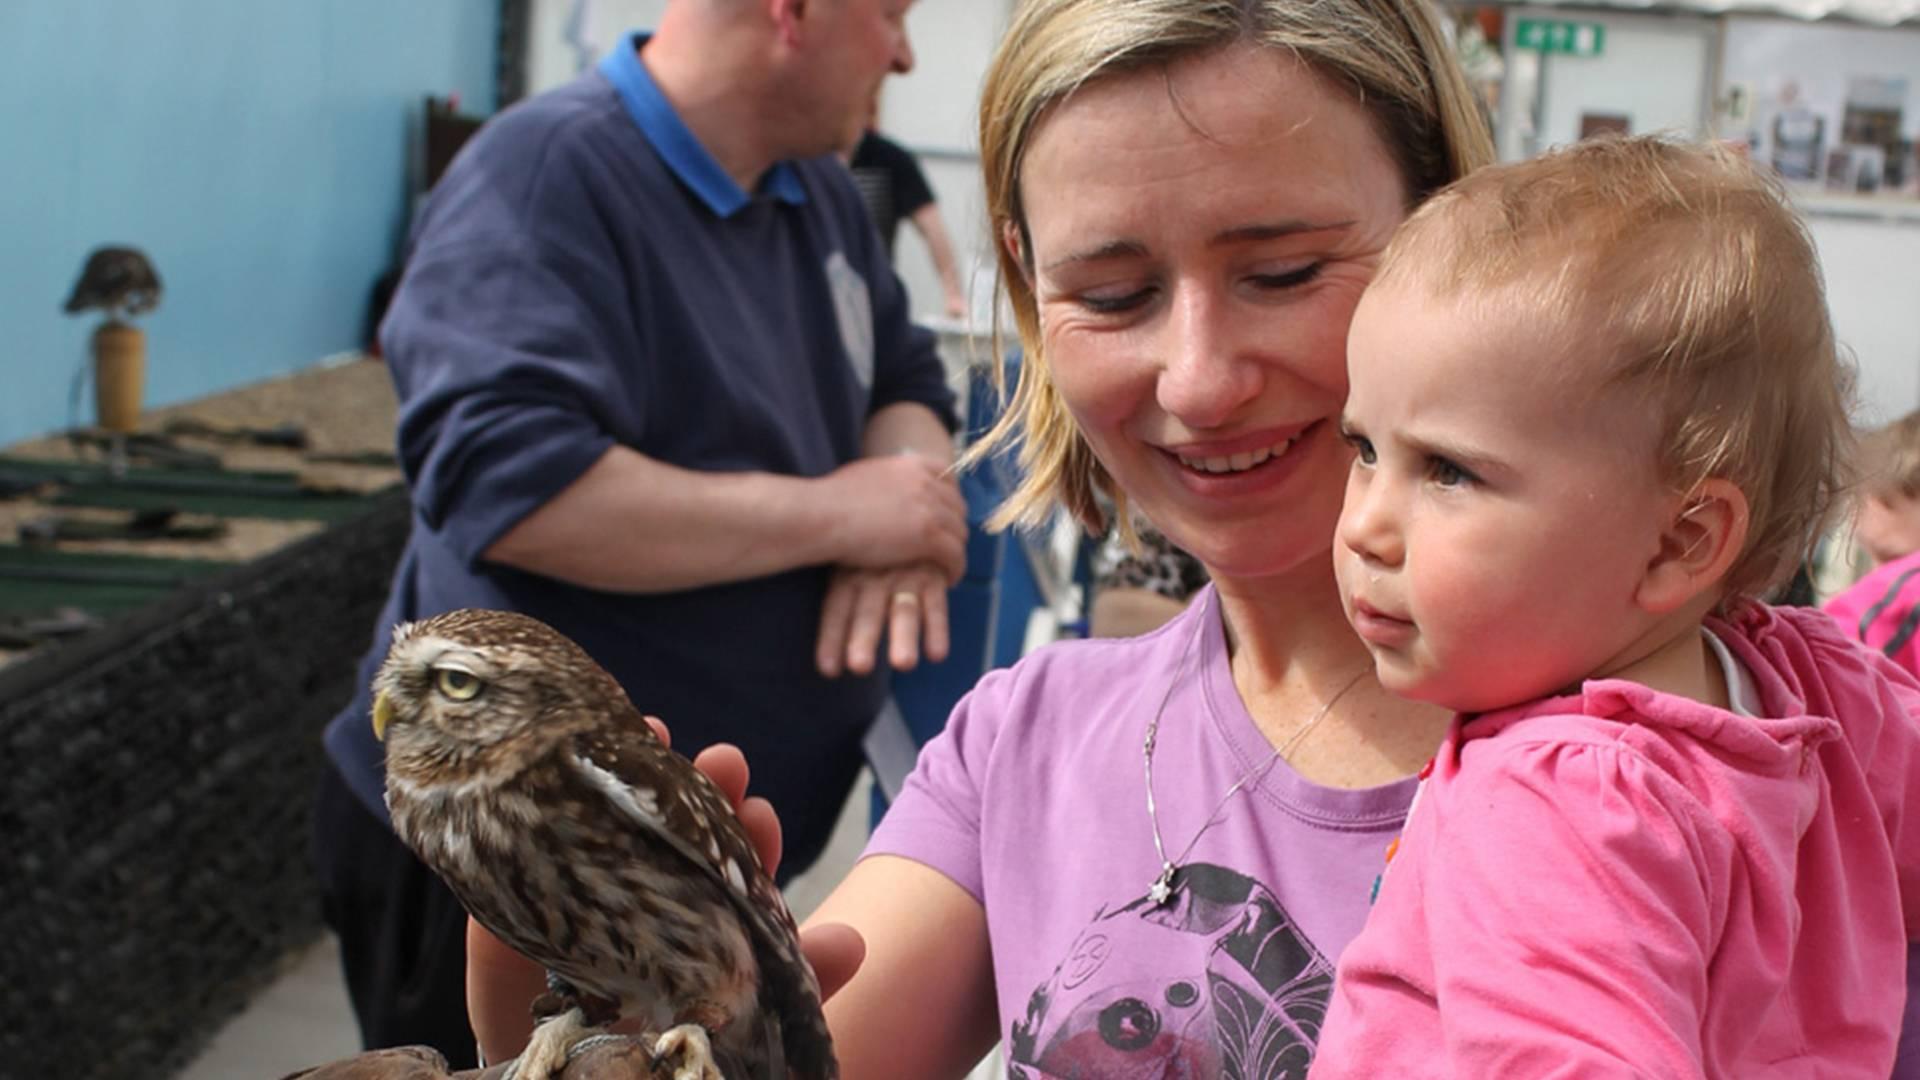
(1706, 535)
(1016, 249)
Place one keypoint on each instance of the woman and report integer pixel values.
(1190, 200)
(1149, 852)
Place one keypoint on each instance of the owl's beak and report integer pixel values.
(382, 715)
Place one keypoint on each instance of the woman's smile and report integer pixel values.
(1232, 457)
(1250, 463)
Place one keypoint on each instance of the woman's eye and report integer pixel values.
(1290, 279)
(456, 684)
(1114, 303)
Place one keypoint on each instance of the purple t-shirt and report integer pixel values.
(1033, 800)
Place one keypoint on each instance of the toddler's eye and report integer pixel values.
(1447, 474)
(1362, 446)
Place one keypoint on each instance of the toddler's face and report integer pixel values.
(1888, 527)
(1502, 506)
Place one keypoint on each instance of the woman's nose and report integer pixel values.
(1205, 377)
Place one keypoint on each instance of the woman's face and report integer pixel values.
(1200, 237)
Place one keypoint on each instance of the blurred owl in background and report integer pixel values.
(520, 772)
(117, 280)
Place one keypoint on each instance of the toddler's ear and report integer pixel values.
(1706, 535)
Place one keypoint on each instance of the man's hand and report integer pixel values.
(909, 604)
(894, 510)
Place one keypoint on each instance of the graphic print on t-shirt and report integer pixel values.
(1118, 1006)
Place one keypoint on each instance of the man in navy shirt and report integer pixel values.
(659, 389)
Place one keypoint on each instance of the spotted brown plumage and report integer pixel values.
(519, 771)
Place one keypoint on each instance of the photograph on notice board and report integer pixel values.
(1798, 136)
(1593, 124)
(1870, 127)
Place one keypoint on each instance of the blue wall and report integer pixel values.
(256, 149)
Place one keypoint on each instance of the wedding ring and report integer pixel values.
(906, 597)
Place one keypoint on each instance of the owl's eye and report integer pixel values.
(456, 684)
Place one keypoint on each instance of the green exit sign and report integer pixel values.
(1559, 36)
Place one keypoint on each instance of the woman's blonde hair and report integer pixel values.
(1390, 54)
(1678, 271)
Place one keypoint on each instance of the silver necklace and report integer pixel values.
(1162, 887)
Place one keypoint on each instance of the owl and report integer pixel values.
(519, 771)
(117, 280)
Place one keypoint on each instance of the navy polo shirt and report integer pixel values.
(586, 274)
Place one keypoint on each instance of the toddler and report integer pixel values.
(1882, 609)
(1596, 410)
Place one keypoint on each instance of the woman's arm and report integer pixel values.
(922, 1003)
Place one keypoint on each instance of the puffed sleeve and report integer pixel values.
(1579, 918)
(936, 820)
(1551, 913)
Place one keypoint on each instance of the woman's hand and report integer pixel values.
(500, 982)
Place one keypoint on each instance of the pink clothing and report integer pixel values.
(1627, 883)
(1882, 611)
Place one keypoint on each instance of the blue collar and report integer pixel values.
(678, 146)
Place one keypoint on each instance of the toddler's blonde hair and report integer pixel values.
(1684, 267)
(1890, 459)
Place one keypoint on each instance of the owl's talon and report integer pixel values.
(688, 1042)
(548, 1050)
